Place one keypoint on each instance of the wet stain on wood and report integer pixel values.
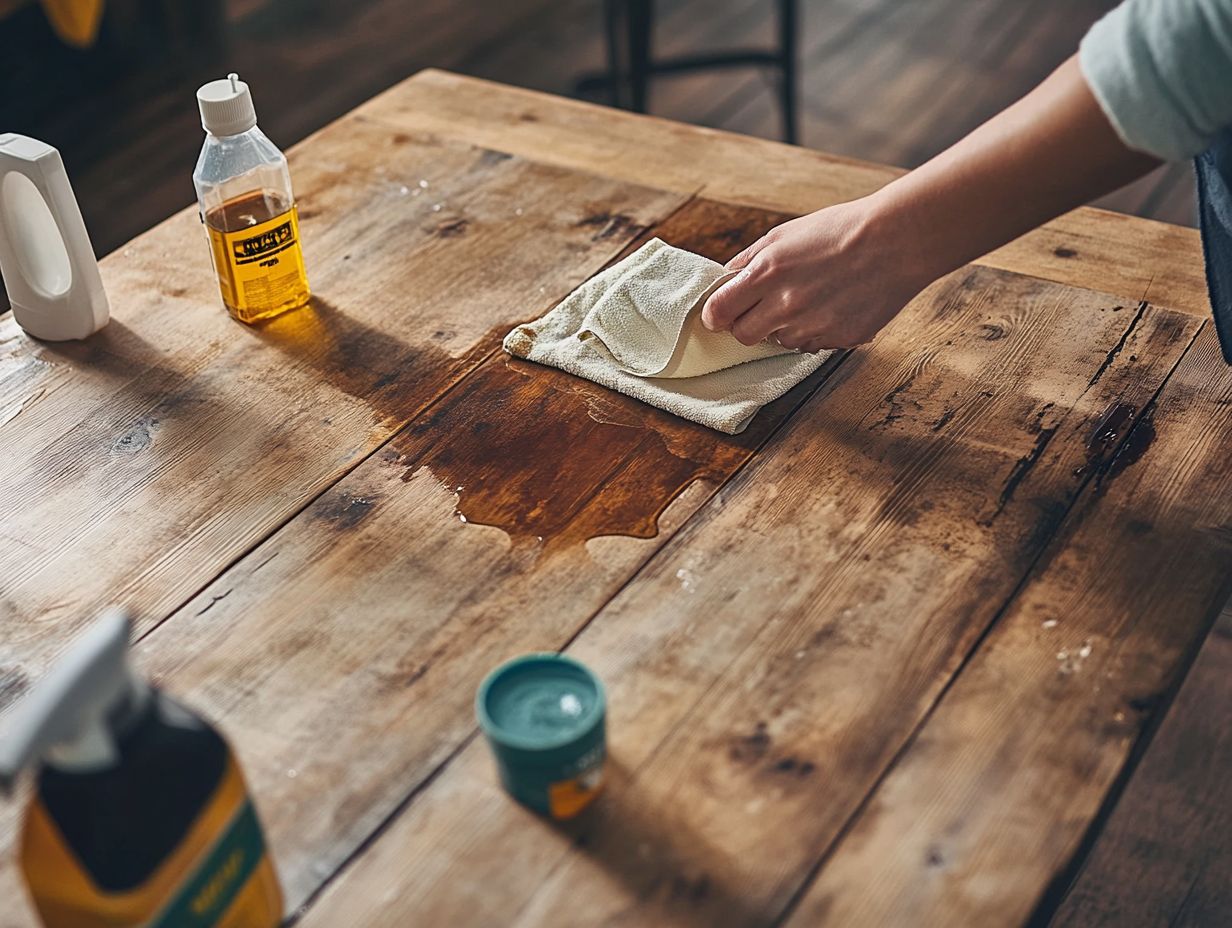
(545, 457)
(1134, 447)
(341, 509)
(1110, 427)
(551, 459)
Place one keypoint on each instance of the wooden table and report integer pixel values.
(885, 658)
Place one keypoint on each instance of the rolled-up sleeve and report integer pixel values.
(1162, 73)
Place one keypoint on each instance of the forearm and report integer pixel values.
(833, 278)
(1048, 153)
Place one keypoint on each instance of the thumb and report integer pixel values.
(741, 260)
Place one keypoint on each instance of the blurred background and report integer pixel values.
(884, 80)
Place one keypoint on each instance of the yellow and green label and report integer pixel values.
(204, 898)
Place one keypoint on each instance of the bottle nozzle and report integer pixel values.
(226, 106)
(66, 712)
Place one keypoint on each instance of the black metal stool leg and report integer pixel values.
(641, 18)
(788, 87)
(613, 10)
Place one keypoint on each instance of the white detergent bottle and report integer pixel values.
(49, 267)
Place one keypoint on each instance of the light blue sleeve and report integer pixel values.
(1162, 72)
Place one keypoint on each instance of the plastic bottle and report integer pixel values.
(247, 206)
(49, 268)
(140, 814)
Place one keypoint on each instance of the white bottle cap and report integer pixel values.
(226, 106)
(67, 718)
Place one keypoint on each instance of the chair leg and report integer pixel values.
(788, 86)
(613, 10)
(641, 18)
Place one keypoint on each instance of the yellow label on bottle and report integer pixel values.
(218, 876)
(261, 268)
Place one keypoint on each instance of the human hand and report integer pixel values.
(830, 279)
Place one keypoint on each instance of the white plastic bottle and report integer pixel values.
(248, 208)
(49, 267)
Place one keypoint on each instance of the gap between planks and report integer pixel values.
(465, 376)
(821, 377)
(816, 383)
(1055, 892)
(655, 559)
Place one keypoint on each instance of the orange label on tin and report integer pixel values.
(569, 797)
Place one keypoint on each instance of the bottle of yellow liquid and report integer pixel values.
(244, 192)
(140, 815)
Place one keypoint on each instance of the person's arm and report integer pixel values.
(833, 278)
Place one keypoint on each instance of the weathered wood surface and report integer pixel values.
(322, 641)
(766, 668)
(1165, 855)
(147, 459)
(1039, 725)
(331, 608)
(1130, 257)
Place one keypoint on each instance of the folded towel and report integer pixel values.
(636, 328)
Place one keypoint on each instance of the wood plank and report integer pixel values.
(148, 458)
(1165, 856)
(765, 668)
(339, 655)
(1095, 249)
(996, 792)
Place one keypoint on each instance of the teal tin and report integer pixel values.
(544, 716)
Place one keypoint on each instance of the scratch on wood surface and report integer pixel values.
(897, 406)
(264, 562)
(1116, 349)
(16, 409)
(213, 601)
(1021, 468)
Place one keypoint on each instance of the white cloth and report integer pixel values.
(1162, 73)
(636, 328)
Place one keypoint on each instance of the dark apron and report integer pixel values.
(1214, 168)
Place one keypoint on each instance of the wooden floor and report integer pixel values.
(884, 80)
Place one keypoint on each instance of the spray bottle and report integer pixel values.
(140, 814)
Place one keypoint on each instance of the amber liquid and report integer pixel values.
(257, 255)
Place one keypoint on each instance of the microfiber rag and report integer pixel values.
(636, 328)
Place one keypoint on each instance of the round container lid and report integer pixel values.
(540, 702)
(226, 106)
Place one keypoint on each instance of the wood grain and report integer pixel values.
(1165, 855)
(340, 656)
(1040, 725)
(345, 673)
(153, 455)
(764, 669)
(1095, 249)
